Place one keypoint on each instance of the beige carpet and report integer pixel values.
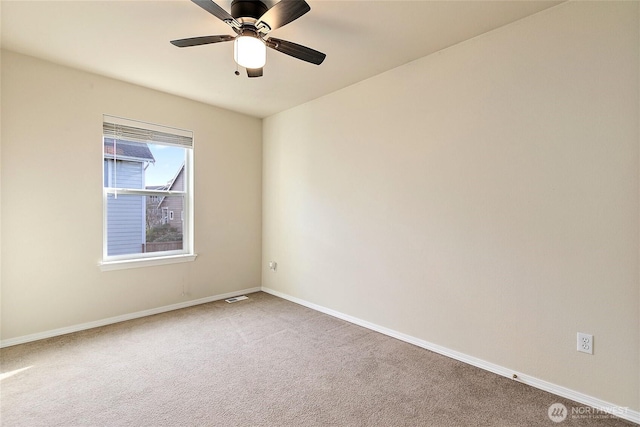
(258, 362)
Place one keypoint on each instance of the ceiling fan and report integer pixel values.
(252, 21)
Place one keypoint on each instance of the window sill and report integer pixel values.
(145, 262)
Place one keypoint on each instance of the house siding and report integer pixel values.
(175, 204)
(125, 213)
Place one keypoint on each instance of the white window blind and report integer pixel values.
(131, 130)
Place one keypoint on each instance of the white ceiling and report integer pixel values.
(129, 40)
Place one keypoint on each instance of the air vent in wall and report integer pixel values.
(236, 299)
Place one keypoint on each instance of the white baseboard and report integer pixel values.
(624, 413)
(122, 318)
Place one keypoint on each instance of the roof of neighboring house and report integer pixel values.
(171, 183)
(168, 186)
(156, 187)
(127, 150)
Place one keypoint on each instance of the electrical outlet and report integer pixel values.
(585, 343)
(273, 266)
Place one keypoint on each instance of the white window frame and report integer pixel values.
(186, 254)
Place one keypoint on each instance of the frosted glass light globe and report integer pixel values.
(250, 52)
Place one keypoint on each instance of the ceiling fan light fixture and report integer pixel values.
(250, 52)
(252, 20)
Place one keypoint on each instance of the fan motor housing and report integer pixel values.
(248, 9)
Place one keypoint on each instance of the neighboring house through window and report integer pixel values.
(124, 166)
(147, 182)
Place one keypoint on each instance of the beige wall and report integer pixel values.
(52, 199)
(484, 198)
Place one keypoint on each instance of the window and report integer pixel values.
(147, 176)
(165, 215)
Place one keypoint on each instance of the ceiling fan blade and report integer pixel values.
(297, 51)
(197, 41)
(217, 11)
(284, 12)
(254, 72)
